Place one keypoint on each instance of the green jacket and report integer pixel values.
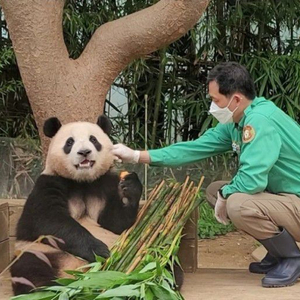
(266, 140)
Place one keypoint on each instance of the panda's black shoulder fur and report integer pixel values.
(46, 211)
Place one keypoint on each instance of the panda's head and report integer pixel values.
(80, 151)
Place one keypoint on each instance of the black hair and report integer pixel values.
(232, 77)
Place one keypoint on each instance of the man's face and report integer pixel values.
(221, 100)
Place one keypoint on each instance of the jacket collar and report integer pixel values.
(247, 111)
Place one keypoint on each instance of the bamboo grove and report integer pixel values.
(263, 35)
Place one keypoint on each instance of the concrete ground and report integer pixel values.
(226, 284)
(5, 287)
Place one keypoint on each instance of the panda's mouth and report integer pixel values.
(85, 164)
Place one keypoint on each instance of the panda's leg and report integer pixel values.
(38, 269)
(29, 272)
(104, 235)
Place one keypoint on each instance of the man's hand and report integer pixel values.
(220, 210)
(126, 154)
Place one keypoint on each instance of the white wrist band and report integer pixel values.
(136, 156)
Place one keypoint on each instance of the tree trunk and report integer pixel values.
(76, 89)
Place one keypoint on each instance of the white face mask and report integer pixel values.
(223, 115)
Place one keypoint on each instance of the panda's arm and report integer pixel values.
(122, 204)
(46, 213)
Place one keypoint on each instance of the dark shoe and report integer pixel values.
(263, 267)
(287, 271)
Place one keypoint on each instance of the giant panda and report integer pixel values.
(78, 199)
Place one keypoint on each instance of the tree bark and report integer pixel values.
(75, 90)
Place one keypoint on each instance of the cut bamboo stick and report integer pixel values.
(159, 222)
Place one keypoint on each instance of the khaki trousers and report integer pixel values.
(262, 214)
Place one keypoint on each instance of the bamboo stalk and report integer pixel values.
(142, 249)
(149, 227)
(192, 195)
(159, 222)
(131, 249)
(152, 196)
(122, 241)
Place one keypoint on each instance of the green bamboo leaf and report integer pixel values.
(36, 296)
(205, 124)
(73, 292)
(143, 291)
(149, 294)
(167, 287)
(148, 267)
(65, 281)
(159, 270)
(121, 291)
(57, 289)
(263, 85)
(139, 276)
(168, 276)
(63, 296)
(74, 273)
(101, 280)
(290, 110)
(293, 103)
(100, 259)
(162, 293)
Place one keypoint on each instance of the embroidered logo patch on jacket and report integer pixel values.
(248, 134)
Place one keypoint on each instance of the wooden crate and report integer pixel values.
(12, 210)
(188, 250)
(4, 235)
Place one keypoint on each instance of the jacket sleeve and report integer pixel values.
(259, 154)
(214, 141)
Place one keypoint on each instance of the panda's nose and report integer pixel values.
(84, 152)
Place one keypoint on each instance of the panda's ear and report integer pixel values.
(104, 123)
(51, 126)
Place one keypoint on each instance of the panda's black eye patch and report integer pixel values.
(95, 142)
(68, 145)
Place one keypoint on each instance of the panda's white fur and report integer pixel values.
(65, 165)
(94, 197)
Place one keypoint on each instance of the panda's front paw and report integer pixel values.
(97, 247)
(130, 188)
